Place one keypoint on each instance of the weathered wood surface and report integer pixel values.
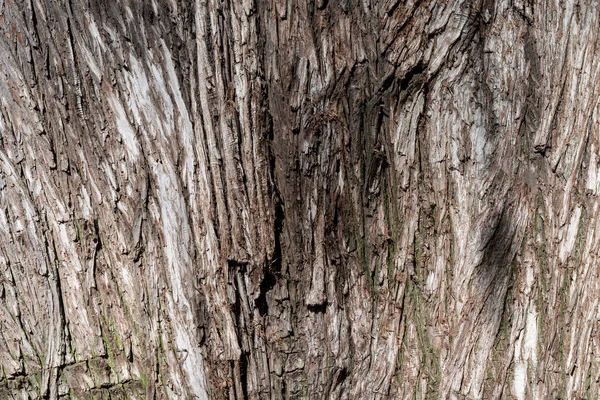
(346, 199)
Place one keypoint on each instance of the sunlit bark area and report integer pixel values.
(268, 199)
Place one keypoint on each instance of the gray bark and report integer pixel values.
(351, 199)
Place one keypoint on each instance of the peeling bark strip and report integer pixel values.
(279, 199)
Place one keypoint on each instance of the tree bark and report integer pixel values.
(351, 199)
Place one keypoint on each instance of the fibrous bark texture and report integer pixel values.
(266, 199)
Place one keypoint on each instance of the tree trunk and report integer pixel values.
(351, 199)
